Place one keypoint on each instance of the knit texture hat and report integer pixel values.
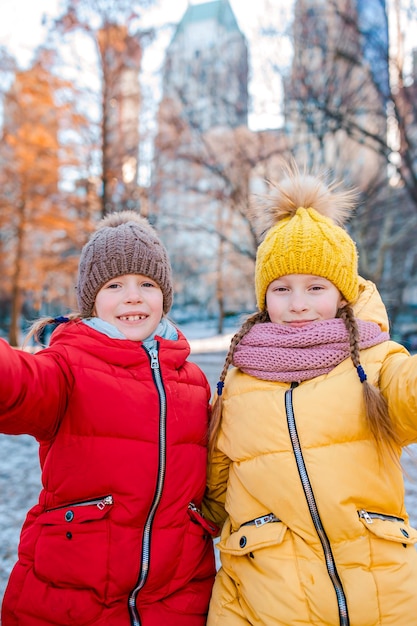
(306, 237)
(124, 243)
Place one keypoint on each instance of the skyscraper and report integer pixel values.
(206, 67)
(205, 97)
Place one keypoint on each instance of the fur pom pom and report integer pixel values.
(301, 189)
(113, 220)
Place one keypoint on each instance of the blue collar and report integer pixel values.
(164, 329)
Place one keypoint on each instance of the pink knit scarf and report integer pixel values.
(277, 352)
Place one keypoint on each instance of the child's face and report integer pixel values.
(299, 299)
(133, 303)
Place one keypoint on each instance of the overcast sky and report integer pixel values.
(21, 21)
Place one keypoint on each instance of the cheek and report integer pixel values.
(333, 308)
(274, 308)
(269, 299)
(157, 304)
(101, 307)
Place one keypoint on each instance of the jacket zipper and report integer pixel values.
(369, 516)
(146, 540)
(312, 505)
(100, 503)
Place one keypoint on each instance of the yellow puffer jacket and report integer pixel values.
(331, 544)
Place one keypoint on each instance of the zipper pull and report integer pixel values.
(104, 502)
(154, 358)
(197, 517)
(365, 515)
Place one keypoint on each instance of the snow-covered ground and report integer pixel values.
(19, 469)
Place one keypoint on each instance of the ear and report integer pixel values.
(342, 302)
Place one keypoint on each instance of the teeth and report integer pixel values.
(132, 318)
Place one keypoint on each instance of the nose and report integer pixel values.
(133, 294)
(298, 303)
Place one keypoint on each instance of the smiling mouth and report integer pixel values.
(132, 318)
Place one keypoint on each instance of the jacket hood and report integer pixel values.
(369, 306)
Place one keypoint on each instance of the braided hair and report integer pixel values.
(376, 408)
(256, 318)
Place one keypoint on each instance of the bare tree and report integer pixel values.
(115, 29)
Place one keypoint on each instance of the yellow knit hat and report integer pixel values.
(306, 238)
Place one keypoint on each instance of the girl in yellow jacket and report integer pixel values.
(307, 434)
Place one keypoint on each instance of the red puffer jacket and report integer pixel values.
(112, 540)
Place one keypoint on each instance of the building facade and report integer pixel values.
(194, 180)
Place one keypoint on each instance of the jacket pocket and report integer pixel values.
(388, 527)
(250, 538)
(72, 546)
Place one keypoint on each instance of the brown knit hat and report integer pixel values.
(123, 243)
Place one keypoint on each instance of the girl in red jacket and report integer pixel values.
(121, 417)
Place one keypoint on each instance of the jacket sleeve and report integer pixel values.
(215, 496)
(34, 389)
(398, 383)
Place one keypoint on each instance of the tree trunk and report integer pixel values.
(16, 296)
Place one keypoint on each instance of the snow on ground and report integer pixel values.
(19, 469)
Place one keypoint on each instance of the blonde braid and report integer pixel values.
(40, 324)
(257, 318)
(376, 408)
